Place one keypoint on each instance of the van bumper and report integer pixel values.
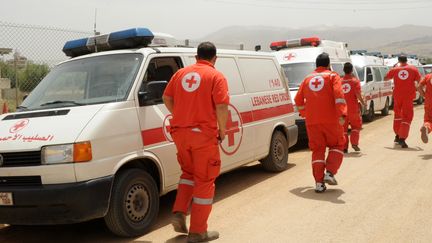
(292, 132)
(57, 204)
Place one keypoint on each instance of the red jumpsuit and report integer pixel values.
(404, 77)
(196, 90)
(321, 101)
(351, 87)
(427, 81)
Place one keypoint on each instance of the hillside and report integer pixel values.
(406, 38)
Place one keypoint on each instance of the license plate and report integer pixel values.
(6, 199)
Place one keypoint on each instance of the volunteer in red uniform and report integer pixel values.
(321, 101)
(352, 91)
(197, 96)
(425, 90)
(405, 77)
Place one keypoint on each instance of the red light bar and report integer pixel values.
(310, 41)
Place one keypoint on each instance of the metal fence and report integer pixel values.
(27, 52)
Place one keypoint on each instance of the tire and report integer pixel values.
(134, 203)
(277, 159)
(386, 109)
(370, 115)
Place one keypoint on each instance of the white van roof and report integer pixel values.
(361, 60)
(307, 49)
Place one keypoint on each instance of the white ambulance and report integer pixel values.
(412, 60)
(377, 92)
(297, 58)
(92, 139)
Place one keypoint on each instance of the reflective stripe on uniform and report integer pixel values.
(406, 123)
(340, 101)
(300, 107)
(186, 182)
(398, 119)
(318, 161)
(336, 150)
(196, 129)
(203, 201)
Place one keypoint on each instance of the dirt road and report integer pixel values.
(384, 195)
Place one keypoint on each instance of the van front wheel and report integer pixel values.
(277, 159)
(134, 203)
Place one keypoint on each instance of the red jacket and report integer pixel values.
(320, 98)
(196, 90)
(404, 78)
(351, 87)
(427, 81)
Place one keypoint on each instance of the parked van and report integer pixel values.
(412, 60)
(92, 139)
(377, 92)
(297, 58)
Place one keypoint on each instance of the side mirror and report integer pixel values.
(153, 93)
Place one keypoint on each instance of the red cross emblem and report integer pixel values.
(191, 81)
(290, 56)
(316, 83)
(19, 126)
(346, 88)
(403, 74)
(234, 132)
(166, 127)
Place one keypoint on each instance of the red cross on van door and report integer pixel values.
(234, 132)
(19, 126)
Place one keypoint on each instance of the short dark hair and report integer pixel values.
(348, 68)
(206, 50)
(402, 59)
(322, 60)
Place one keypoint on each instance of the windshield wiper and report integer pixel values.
(63, 102)
(21, 107)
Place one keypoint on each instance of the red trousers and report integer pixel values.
(199, 159)
(428, 117)
(403, 115)
(320, 137)
(355, 121)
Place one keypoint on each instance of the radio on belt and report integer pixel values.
(136, 37)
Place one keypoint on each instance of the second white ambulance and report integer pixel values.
(297, 58)
(377, 92)
(92, 139)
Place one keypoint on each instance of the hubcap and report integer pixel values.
(137, 202)
(279, 151)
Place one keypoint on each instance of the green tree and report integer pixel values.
(31, 75)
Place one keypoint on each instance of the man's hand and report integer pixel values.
(221, 136)
(342, 120)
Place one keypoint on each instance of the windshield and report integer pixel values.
(338, 67)
(93, 80)
(296, 72)
(360, 73)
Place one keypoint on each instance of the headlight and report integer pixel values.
(67, 153)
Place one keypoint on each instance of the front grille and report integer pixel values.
(21, 159)
(20, 181)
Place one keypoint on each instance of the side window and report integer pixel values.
(228, 67)
(260, 74)
(369, 75)
(377, 73)
(159, 71)
(384, 71)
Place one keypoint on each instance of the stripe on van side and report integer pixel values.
(156, 135)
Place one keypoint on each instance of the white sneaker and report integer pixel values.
(320, 187)
(330, 179)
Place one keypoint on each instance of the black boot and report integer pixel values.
(402, 143)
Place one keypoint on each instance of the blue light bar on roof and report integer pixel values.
(131, 38)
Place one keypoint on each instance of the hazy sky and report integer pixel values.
(196, 18)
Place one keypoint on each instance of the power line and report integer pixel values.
(347, 2)
(429, 5)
